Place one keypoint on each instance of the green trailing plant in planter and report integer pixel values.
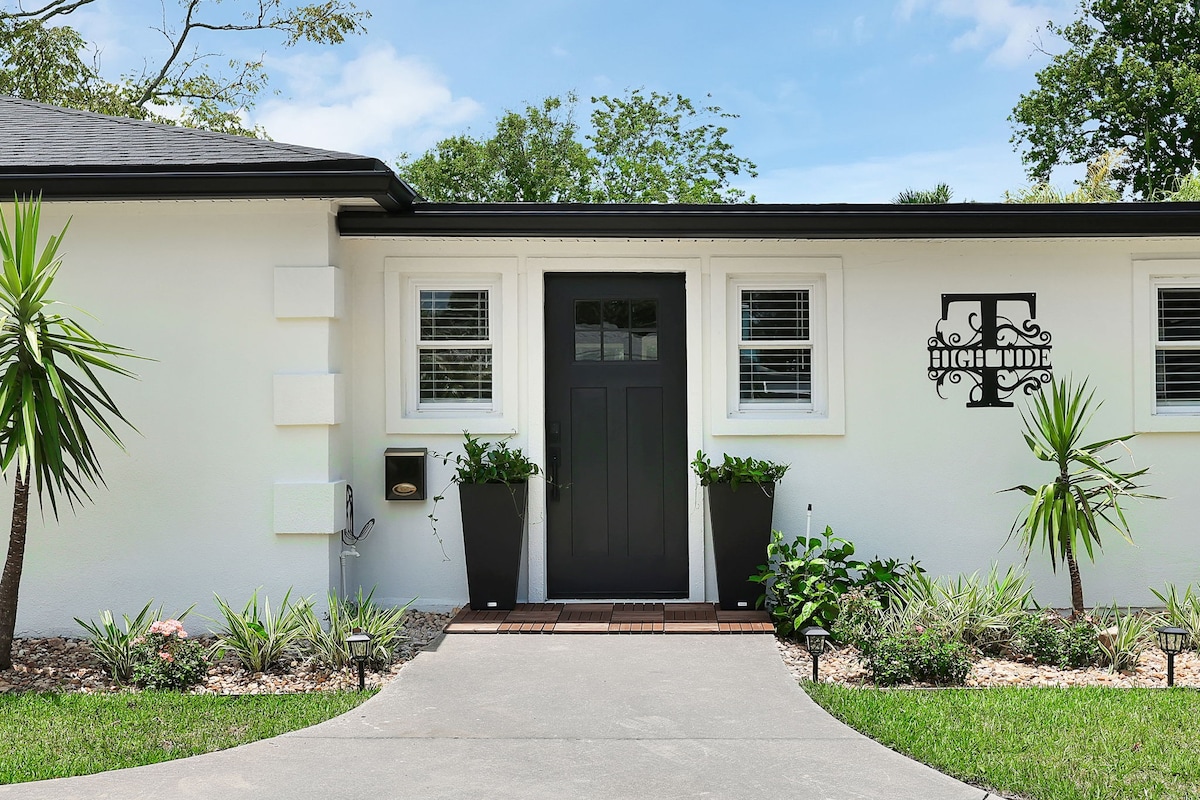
(493, 490)
(741, 521)
(736, 471)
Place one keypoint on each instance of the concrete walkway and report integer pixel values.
(559, 717)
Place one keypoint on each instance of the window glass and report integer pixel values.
(616, 330)
(1177, 354)
(774, 349)
(454, 347)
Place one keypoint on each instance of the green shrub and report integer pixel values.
(259, 639)
(1049, 639)
(860, 619)
(114, 647)
(327, 645)
(805, 579)
(979, 611)
(1124, 636)
(1183, 611)
(165, 659)
(926, 655)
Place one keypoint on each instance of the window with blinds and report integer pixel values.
(454, 348)
(1177, 350)
(775, 348)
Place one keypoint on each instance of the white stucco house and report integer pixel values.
(306, 312)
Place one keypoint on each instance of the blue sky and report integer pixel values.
(838, 102)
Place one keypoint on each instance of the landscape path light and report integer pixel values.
(360, 647)
(814, 640)
(1171, 641)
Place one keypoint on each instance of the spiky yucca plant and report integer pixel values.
(1066, 514)
(49, 394)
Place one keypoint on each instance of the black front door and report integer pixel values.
(616, 409)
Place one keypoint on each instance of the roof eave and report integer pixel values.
(878, 221)
(375, 181)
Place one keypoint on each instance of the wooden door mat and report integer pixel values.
(611, 618)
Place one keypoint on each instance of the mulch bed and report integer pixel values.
(67, 665)
(843, 665)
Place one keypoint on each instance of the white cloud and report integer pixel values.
(378, 104)
(974, 173)
(1007, 28)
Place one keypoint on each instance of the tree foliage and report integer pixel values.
(43, 58)
(50, 394)
(1129, 78)
(1067, 514)
(642, 148)
(938, 194)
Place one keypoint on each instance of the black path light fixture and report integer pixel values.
(1171, 641)
(814, 640)
(359, 643)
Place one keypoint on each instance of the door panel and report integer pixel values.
(616, 435)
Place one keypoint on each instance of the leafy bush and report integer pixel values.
(485, 462)
(165, 659)
(1123, 636)
(1183, 611)
(113, 647)
(327, 645)
(257, 638)
(735, 471)
(805, 579)
(980, 612)
(860, 619)
(1049, 639)
(927, 655)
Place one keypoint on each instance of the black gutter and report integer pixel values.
(782, 221)
(334, 179)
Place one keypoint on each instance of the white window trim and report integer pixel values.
(825, 415)
(404, 279)
(1148, 277)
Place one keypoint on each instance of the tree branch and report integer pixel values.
(151, 87)
(51, 9)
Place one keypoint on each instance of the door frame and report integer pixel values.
(534, 386)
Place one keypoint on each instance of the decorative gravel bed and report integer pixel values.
(842, 665)
(66, 665)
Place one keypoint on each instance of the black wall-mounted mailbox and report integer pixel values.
(404, 473)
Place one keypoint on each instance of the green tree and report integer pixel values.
(938, 194)
(50, 394)
(43, 59)
(1129, 78)
(1065, 515)
(641, 149)
(1097, 187)
(533, 157)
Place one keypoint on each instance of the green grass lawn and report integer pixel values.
(60, 735)
(1048, 744)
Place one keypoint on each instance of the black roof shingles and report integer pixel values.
(67, 154)
(36, 135)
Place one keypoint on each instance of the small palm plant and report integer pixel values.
(1067, 513)
(50, 394)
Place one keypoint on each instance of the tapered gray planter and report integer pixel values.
(741, 531)
(493, 519)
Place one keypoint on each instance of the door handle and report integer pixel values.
(552, 477)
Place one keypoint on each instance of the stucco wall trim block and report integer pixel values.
(307, 292)
(314, 508)
(316, 399)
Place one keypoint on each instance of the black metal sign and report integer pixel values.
(977, 340)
